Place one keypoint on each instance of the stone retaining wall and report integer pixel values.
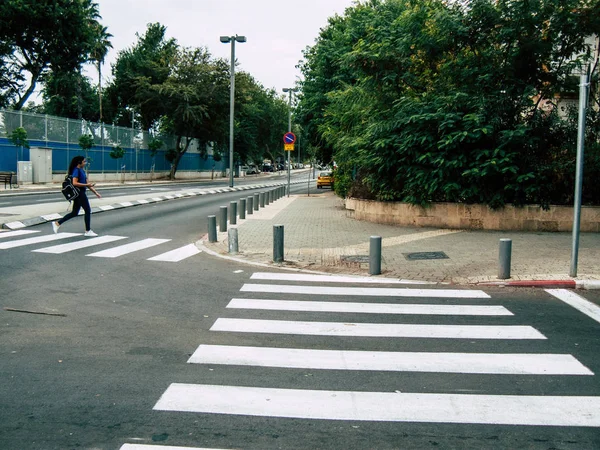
(474, 217)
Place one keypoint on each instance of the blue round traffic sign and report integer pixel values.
(289, 138)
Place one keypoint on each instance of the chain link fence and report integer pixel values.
(62, 136)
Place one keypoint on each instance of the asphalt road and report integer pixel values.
(95, 377)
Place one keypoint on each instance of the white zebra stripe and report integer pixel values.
(37, 240)
(177, 255)
(363, 291)
(329, 278)
(10, 234)
(489, 363)
(369, 308)
(383, 406)
(64, 248)
(377, 329)
(129, 248)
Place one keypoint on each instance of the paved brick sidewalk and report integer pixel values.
(321, 235)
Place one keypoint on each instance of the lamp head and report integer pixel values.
(240, 38)
(225, 39)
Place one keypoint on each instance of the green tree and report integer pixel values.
(41, 35)
(99, 51)
(439, 101)
(137, 72)
(18, 137)
(192, 98)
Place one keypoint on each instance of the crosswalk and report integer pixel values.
(408, 318)
(76, 242)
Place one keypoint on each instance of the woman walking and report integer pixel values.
(81, 201)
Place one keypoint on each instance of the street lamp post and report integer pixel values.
(233, 40)
(289, 91)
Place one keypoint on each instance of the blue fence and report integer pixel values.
(62, 136)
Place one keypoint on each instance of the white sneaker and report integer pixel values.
(90, 234)
(55, 226)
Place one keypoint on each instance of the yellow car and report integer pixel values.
(325, 179)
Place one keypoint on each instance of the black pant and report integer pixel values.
(80, 202)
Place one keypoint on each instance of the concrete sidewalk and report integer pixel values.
(321, 235)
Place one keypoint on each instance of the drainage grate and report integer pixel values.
(425, 255)
(355, 258)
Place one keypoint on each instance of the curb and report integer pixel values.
(546, 284)
(24, 223)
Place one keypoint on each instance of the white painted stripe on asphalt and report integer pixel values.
(170, 197)
(177, 255)
(328, 278)
(126, 204)
(377, 329)
(143, 202)
(161, 447)
(106, 207)
(37, 240)
(157, 199)
(490, 363)
(383, 406)
(9, 234)
(369, 308)
(576, 301)
(129, 248)
(363, 291)
(64, 248)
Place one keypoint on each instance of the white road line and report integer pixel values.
(328, 278)
(126, 204)
(369, 308)
(143, 202)
(128, 248)
(363, 291)
(490, 363)
(576, 301)
(178, 254)
(64, 248)
(9, 234)
(161, 447)
(377, 329)
(106, 207)
(37, 240)
(383, 406)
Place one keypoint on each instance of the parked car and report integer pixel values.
(325, 179)
(267, 168)
(252, 170)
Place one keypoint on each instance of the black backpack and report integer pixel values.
(70, 191)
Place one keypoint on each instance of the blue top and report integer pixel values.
(81, 177)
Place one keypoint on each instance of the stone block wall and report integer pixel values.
(474, 217)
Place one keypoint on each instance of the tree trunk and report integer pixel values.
(100, 89)
(180, 153)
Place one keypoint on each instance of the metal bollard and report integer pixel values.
(261, 199)
(232, 213)
(256, 205)
(223, 219)
(232, 239)
(375, 255)
(504, 256)
(277, 243)
(249, 202)
(212, 228)
(267, 198)
(242, 208)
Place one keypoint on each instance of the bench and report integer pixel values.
(7, 177)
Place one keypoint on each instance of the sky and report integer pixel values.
(276, 30)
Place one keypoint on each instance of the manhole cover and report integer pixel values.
(355, 258)
(425, 255)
